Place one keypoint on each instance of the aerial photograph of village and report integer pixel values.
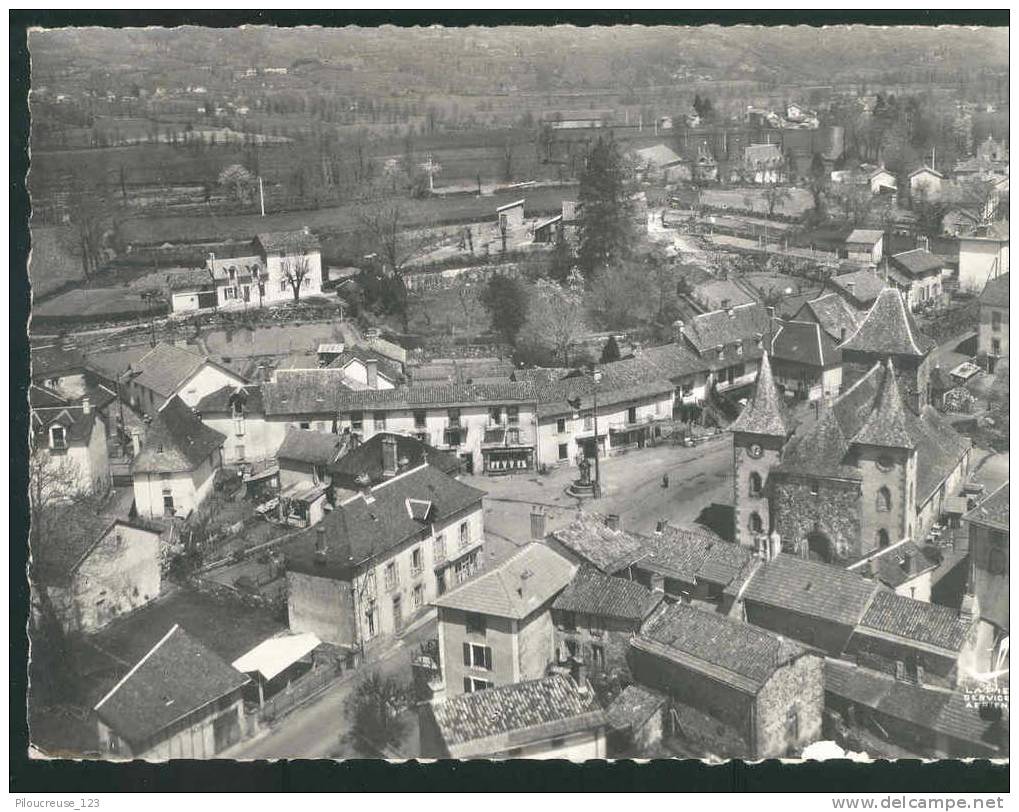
(520, 392)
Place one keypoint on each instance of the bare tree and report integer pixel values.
(295, 271)
(238, 181)
(555, 321)
(90, 218)
(775, 196)
(855, 200)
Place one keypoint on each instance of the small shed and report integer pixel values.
(511, 215)
(274, 663)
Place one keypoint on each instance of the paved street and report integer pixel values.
(632, 487)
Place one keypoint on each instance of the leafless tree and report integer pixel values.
(238, 181)
(555, 321)
(775, 196)
(295, 271)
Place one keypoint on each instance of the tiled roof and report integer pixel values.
(939, 448)
(658, 155)
(40, 397)
(115, 362)
(867, 236)
(222, 400)
(897, 564)
(886, 426)
(993, 511)
(674, 361)
(693, 555)
(189, 279)
(812, 589)
(889, 329)
(176, 441)
(592, 592)
(592, 540)
(634, 706)
(498, 719)
(299, 240)
(621, 381)
(358, 529)
(708, 331)
(367, 457)
(386, 368)
(995, 292)
(917, 262)
(819, 450)
(860, 286)
(302, 391)
(915, 620)
(925, 170)
(55, 362)
(735, 653)
(165, 367)
(57, 554)
(950, 713)
(757, 154)
(516, 587)
(765, 413)
(804, 342)
(314, 447)
(77, 424)
(177, 677)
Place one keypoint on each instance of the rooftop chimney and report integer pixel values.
(320, 544)
(677, 330)
(86, 406)
(371, 367)
(907, 562)
(390, 465)
(613, 522)
(849, 287)
(539, 523)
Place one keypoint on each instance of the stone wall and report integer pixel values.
(743, 466)
(323, 606)
(790, 708)
(834, 511)
(883, 655)
(614, 641)
(536, 643)
(826, 635)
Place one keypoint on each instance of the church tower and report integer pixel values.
(758, 436)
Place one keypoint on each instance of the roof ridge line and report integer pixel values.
(137, 665)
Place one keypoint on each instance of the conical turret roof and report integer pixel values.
(886, 425)
(889, 329)
(765, 413)
(820, 451)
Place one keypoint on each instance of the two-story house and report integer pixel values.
(175, 470)
(989, 561)
(69, 443)
(992, 331)
(167, 371)
(382, 555)
(497, 629)
(917, 274)
(730, 342)
(279, 262)
(805, 361)
(983, 255)
(59, 369)
(595, 617)
(865, 245)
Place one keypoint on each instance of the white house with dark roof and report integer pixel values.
(175, 470)
(924, 181)
(167, 370)
(865, 245)
(69, 441)
(917, 273)
(497, 629)
(180, 700)
(383, 555)
(730, 341)
(805, 360)
(551, 717)
(983, 255)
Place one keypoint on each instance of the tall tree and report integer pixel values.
(607, 232)
(610, 352)
(505, 299)
(555, 324)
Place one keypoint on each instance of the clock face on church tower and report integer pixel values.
(755, 450)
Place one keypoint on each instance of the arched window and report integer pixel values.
(882, 538)
(755, 486)
(884, 499)
(756, 523)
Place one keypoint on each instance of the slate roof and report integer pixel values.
(758, 154)
(497, 719)
(939, 447)
(914, 620)
(589, 538)
(77, 424)
(634, 706)
(995, 292)
(55, 362)
(288, 241)
(40, 397)
(221, 400)
(165, 367)
(673, 361)
(889, 565)
(591, 592)
(358, 529)
(189, 279)
(861, 286)
(889, 329)
(621, 381)
(929, 708)
(176, 441)
(314, 447)
(708, 331)
(866, 236)
(812, 589)
(805, 342)
(516, 587)
(885, 425)
(659, 155)
(765, 413)
(59, 553)
(735, 653)
(367, 457)
(917, 262)
(177, 677)
(993, 511)
(833, 313)
(693, 556)
(114, 363)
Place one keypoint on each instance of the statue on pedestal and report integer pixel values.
(585, 470)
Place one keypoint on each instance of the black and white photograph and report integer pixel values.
(517, 392)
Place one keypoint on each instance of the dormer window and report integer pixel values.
(58, 438)
(721, 352)
(739, 350)
(231, 272)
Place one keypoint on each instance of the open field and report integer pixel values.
(50, 264)
(799, 202)
(92, 301)
(443, 313)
